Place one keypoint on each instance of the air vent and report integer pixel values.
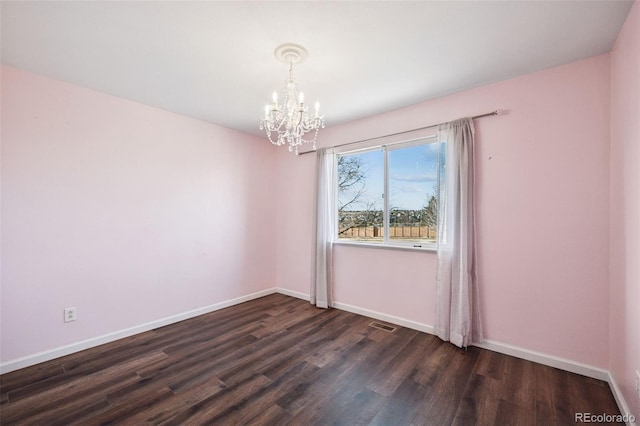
(383, 327)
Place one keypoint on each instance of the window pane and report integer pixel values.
(413, 193)
(360, 199)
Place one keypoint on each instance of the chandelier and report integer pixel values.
(289, 121)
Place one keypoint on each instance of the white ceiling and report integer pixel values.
(214, 60)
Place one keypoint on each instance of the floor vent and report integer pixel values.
(383, 327)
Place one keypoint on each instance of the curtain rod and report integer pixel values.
(496, 112)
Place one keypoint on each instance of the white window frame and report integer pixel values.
(386, 241)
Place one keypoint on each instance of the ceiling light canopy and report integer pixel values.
(289, 121)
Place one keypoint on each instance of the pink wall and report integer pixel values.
(129, 213)
(293, 191)
(625, 209)
(543, 194)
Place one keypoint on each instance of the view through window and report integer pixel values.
(390, 194)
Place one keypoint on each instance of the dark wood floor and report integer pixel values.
(278, 360)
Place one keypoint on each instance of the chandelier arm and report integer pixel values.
(300, 121)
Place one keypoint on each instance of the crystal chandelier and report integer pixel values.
(289, 121)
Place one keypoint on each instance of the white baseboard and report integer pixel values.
(546, 359)
(293, 293)
(619, 397)
(503, 348)
(414, 325)
(37, 358)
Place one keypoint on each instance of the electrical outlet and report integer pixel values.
(69, 314)
(638, 383)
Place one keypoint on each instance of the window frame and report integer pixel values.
(385, 148)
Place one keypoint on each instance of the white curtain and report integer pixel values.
(325, 228)
(457, 315)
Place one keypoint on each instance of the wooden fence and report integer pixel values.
(407, 232)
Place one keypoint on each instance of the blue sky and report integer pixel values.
(413, 176)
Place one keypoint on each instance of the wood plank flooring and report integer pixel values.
(278, 360)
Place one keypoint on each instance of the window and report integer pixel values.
(389, 194)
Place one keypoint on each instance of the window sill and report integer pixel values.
(405, 247)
